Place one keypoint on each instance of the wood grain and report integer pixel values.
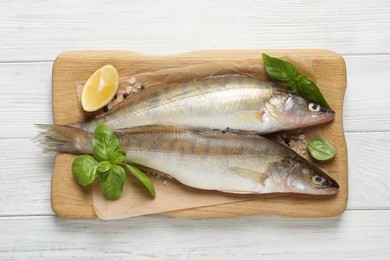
(72, 67)
(367, 97)
(39, 30)
(360, 234)
(25, 178)
(25, 98)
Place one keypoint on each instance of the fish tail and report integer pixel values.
(65, 139)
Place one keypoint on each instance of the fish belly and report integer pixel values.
(205, 172)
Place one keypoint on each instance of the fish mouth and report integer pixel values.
(331, 188)
(322, 117)
(327, 113)
(334, 184)
(327, 191)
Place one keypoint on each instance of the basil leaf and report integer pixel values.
(143, 178)
(284, 71)
(118, 156)
(104, 166)
(84, 169)
(112, 182)
(280, 70)
(320, 149)
(104, 143)
(308, 89)
(293, 86)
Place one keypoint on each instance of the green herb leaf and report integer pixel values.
(107, 151)
(284, 71)
(104, 166)
(104, 144)
(112, 182)
(308, 89)
(84, 169)
(143, 178)
(320, 149)
(293, 86)
(118, 156)
(280, 70)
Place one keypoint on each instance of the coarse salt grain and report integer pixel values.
(301, 137)
(129, 89)
(165, 182)
(132, 80)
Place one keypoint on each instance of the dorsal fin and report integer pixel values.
(228, 131)
(136, 97)
(171, 129)
(151, 129)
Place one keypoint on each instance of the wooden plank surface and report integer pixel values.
(364, 234)
(69, 200)
(41, 30)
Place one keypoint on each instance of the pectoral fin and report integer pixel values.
(237, 192)
(248, 116)
(248, 174)
(251, 174)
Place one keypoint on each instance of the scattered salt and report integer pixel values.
(301, 137)
(129, 89)
(132, 80)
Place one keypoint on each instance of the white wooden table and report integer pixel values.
(33, 33)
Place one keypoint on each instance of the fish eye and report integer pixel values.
(313, 107)
(318, 180)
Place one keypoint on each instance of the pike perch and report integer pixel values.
(219, 102)
(229, 162)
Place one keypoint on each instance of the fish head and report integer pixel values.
(294, 111)
(304, 177)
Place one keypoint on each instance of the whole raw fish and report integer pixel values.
(229, 101)
(228, 162)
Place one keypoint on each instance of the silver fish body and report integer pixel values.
(229, 101)
(228, 162)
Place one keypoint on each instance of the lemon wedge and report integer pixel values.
(100, 88)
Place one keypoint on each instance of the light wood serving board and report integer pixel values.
(70, 200)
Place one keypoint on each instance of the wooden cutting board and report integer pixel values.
(70, 200)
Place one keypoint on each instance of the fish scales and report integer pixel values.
(209, 160)
(229, 101)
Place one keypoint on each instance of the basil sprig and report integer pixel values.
(107, 164)
(321, 149)
(84, 169)
(284, 71)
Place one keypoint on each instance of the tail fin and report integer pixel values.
(65, 139)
